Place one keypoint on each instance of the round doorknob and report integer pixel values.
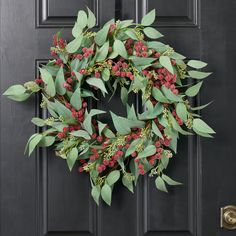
(228, 217)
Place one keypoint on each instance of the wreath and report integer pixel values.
(127, 57)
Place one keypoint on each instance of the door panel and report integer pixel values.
(42, 198)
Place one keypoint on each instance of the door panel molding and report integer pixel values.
(186, 13)
(50, 172)
(62, 13)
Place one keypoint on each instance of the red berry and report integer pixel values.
(122, 74)
(119, 153)
(99, 139)
(69, 80)
(99, 169)
(114, 68)
(81, 169)
(65, 129)
(106, 162)
(61, 135)
(134, 154)
(116, 157)
(97, 75)
(157, 144)
(79, 56)
(84, 104)
(117, 73)
(84, 50)
(111, 163)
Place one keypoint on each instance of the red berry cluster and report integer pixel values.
(39, 81)
(129, 46)
(141, 49)
(121, 69)
(110, 162)
(69, 81)
(86, 52)
(178, 119)
(167, 79)
(58, 42)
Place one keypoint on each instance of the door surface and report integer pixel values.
(39, 197)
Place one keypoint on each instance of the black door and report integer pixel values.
(40, 197)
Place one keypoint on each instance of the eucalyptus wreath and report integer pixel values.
(126, 57)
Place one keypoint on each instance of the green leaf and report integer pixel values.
(97, 83)
(75, 99)
(200, 107)
(82, 19)
(201, 126)
(181, 111)
(169, 181)
(34, 142)
(141, 61)
(131, 33)
(205, 135)
(19, 98)
(156, 130)
(165, 62)
(108, 133)
(49, 82)
(81, 133)
(157, 94)
(113, 177)
(96, 191)
(198, 74)
(173, 143)
(176, 126)
(91, 19)
(124, 95)
(62, 110)
(15, 90)
(148, 151)
(164, 161)
(125, 23)
(27, 144)
(132, 147)
(131, 113)
(193, 91)
(102, 52)
(177, 56)
(101, 127)
(47, 141)
(119, 48)
(101, 35)
(119, 124)
(123, 125)
(59, 82)
(160, 184)
(128, 183)
(39, 122)
(152, 33)
(170, 95)
(196, 64)
(158, 46)
(72, 157)
(106, 194)
(106, 74)
(74, 45)
(149, 18)
(87, 124)
(76, 31)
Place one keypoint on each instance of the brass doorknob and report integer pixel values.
(228, 217)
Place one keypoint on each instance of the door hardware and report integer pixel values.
(228, 217)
